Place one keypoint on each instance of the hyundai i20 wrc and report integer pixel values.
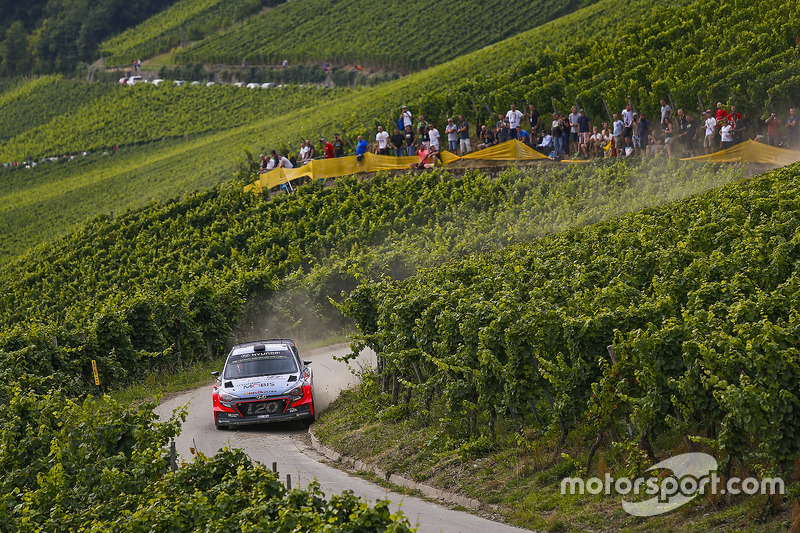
(263, 382)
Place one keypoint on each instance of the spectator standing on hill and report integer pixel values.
(685, 132)
(423, 138)
(726, 134)
(669, 135)
(338, 146)
(617, 126)
(721, 114)
(514, 117)
(734, 115)
(463, 135)
(327, 149)
(411, 141)
(382, 141)
(584, 131)
(773, 129)
(556, 133)
(264, 162)
(574, 143)
(397, 140)
(503, 130)
(421, 125)
(311, 153)
(644, 133)
(405, 114)
(627, 120)
(792, 131)
(361, 148)
(666, 111)
(433, 136)
(451, 130)
(636, 137)
(534, 117)
(303, 153)
(710, 127)
(740, 127)
(566, 134)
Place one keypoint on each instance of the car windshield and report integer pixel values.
(260, 364)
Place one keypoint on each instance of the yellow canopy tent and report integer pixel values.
(751, 152)
(508, 151)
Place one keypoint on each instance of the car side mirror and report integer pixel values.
(215, 374)
(307, 362)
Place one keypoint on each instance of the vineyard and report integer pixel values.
(489, 78)
(619, 311)
(698, 298)
(96, 465)
(419, 35)
(127, 116)
(181, 23)
(156, 287)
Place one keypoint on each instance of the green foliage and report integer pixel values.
(30, 104)
(43, 37)
(182, 22)
(95, 465)
(122, 115)
(413, 36)
(170, 283)
(698, 297)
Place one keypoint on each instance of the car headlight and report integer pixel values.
(227, 396)
(297, 391)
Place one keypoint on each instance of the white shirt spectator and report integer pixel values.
(433, 134)
(726, 133)
(514, 116)
(710, 123)
(406, 114)
(627, 117)
(382, 138)
(285, 163)
(304, 154)
(452, 131)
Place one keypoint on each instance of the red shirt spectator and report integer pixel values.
(721, 113)
(328, 149)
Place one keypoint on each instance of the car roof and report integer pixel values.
(269, 345)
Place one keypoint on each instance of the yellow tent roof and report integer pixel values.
(751, 152)
(512, 150)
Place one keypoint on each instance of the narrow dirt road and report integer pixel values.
(283, 444)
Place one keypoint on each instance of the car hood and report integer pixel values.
(255, 386)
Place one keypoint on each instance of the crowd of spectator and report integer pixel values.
(574, 135)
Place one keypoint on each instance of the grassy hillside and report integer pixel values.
(27, 105)
(501, 369)
(181, 23)
(97, 117)
(211, 260)
(412, 35)
(620, 56)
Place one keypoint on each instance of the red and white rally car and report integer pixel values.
(262, 382)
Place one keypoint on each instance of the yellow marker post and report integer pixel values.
(96, 375)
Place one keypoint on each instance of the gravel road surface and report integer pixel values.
(285, 445)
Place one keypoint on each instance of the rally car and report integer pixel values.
(262, 382)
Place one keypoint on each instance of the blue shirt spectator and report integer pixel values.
(361, 148)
